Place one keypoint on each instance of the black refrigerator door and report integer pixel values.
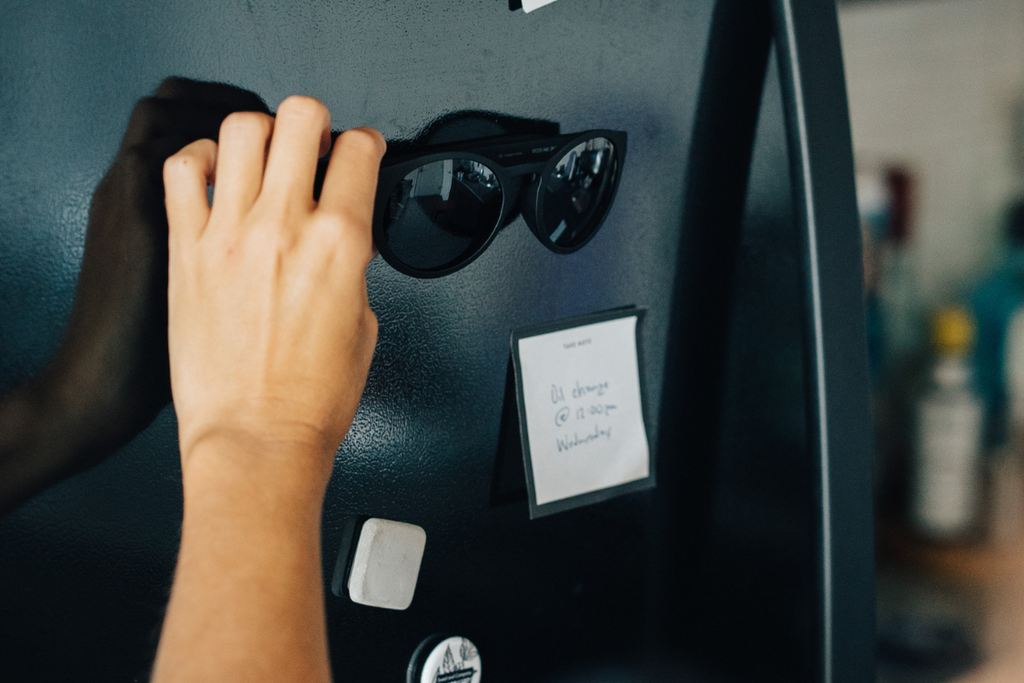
(734, 225)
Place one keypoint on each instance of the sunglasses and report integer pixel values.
(438, 209)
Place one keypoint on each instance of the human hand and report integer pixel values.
(270, 330)
(116, 341)
(110, 375)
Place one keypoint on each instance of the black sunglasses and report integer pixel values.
(437, 209)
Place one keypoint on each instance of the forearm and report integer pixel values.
(247, 602)
(270, 336)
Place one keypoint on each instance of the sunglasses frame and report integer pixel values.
(509, 157)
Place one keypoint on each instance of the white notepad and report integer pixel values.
(581, 410)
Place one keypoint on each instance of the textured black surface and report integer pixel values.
(85, 567)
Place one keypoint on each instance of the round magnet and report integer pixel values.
(452, 660)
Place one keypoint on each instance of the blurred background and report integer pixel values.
(936, 92)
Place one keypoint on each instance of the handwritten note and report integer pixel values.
(581, 398)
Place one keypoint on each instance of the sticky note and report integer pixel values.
(581, 410)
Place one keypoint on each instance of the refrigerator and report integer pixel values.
(734, 228)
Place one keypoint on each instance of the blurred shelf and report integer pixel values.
(972, 561)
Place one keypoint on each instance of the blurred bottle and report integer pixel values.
(897, 287)
(946, 488)
(994, 302)
(885, 202)
(1007, 467)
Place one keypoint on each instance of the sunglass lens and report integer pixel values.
(578, 192)
(441, 213)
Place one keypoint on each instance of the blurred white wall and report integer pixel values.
(933, 84)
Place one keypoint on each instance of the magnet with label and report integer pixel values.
(445, 659)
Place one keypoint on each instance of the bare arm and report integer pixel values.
(271, 338)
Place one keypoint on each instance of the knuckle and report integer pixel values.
(270, 240)
(247, 125)
(326, 229)
(330, 221)
(174, 172)
(177, 164)
(347, 217)
(363, 139)
(187, 161)
(302, 107)
(352, 225)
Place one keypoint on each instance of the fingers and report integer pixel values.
(248, 176)
(302, 131)
(241, 154)
(351, 182)
(186, 176)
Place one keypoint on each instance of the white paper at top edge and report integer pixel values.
(581, 393)
(530, 5)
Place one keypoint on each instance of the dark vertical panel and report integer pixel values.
(741, 531)
(821, 158)
(695, 612)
